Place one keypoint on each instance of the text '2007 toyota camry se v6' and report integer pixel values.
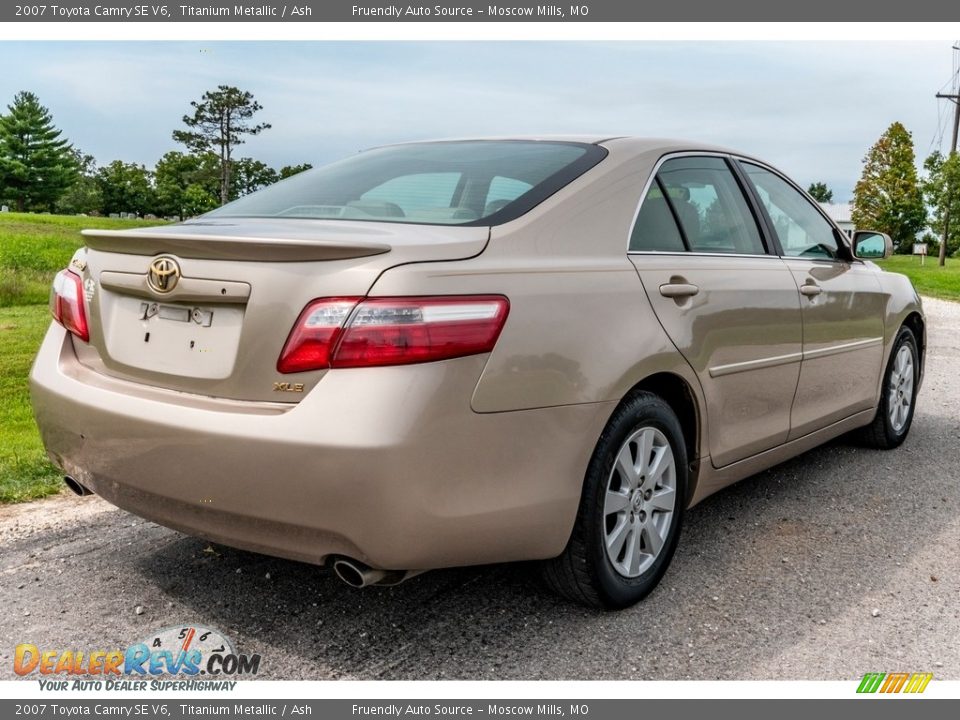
(463, 352)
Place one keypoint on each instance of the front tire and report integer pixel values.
(631, 510)
(897, 395)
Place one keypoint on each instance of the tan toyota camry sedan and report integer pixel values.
(462, 352)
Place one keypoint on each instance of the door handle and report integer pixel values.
(678, 290)
(810, 289)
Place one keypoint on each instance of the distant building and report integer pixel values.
(840, 213)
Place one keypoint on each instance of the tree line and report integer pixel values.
(41, 171)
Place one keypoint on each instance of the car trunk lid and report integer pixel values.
(217, 329)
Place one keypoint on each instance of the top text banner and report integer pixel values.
(466, 11)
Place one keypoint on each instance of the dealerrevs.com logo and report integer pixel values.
(183, 651)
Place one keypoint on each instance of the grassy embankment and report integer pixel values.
(32, 249)
(929, 278)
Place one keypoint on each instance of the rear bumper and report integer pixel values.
(386, 465)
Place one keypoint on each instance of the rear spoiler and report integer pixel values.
(227, 247)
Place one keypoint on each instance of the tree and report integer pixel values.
(249, 175)
(291, 170)
(84, 195)
(36, 164)
(186, 184)
(220, 122)
(126, 187)
(941, 190)
(197, 200)
(887, 197)
(820, 192)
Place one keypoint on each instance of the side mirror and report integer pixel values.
(870, 245)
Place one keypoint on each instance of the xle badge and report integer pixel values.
(287, 387)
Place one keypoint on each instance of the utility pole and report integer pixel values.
(955, 99)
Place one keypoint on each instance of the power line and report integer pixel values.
(938, 133)
(953, 97)
(954, 84)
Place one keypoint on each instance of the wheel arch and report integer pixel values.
(917, 325)
(679, 394)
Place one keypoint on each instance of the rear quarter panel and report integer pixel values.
(580, 329)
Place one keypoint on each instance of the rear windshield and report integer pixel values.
(444, 183)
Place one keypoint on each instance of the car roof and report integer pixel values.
(646, 144)
(589, 139)
(632, 144)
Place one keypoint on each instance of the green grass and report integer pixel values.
(25, 473)
(32, 249)
(929, 278)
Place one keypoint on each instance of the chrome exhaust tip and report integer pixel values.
(75, 487)
(356, 574)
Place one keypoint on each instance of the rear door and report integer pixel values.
(843, 307)
(731, 308)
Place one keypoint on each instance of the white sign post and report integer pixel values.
(921, 250)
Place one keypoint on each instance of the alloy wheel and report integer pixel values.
(900, 389)
(639, 502)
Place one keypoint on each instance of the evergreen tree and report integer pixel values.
(220, 122)
(887, 197)
(36, 164)
(820, 192)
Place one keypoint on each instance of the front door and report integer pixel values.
(843, 308)
(730, 307)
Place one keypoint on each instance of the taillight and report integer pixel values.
(400, 331)
(315, 334)
(349, 333)
(66, 304)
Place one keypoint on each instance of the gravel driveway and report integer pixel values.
(839, 562)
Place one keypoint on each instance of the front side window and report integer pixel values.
(710, 206)
(801, 229)
(448, 183)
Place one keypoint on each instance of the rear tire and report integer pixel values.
(898, 393)
(631, 510)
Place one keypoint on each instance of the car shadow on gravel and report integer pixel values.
(761, 565)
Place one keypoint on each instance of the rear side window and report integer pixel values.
(482, 182)
(655, 228)
(710, 206)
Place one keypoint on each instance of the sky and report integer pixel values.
(810, 108)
